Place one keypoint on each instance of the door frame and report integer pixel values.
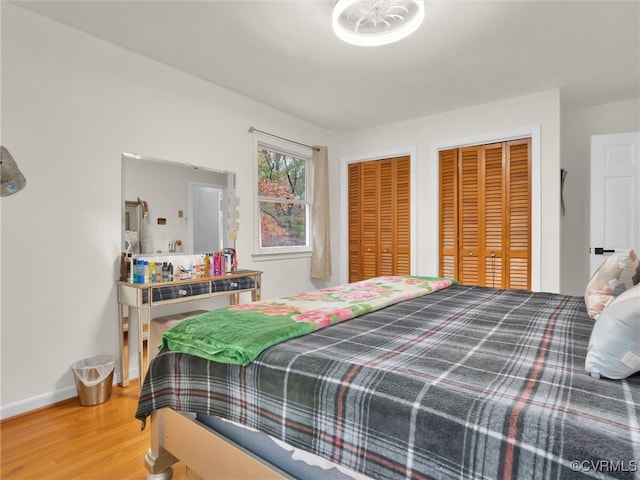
(534, 133)
(409, 151)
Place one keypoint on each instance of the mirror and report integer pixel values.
(171, 207)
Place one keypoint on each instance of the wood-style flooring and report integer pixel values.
(67, 441)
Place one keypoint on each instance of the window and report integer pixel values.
(283, 199)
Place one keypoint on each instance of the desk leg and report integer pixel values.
(256, 294)
(143, 353)
(124, 345)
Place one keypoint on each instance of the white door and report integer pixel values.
(615, 195)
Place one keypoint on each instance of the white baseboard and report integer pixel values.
(39, 401)
(47, 399)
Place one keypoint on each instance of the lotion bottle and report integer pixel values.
(211, 270)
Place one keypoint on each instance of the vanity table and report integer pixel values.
(142, 298)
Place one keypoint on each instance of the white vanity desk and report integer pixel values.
(141, 298)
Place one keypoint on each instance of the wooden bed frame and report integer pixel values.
(179, 437)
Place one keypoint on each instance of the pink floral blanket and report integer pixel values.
(239, 333)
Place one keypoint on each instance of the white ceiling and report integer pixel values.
(283, 53)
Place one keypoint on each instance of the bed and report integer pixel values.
(462, 382)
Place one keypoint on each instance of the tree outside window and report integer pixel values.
(282, 198)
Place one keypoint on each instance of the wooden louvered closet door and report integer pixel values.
(379, 218)
(370, 205)
(448, 188)
(355, 221)
(469, 204)
(518, 212)
(402, 218)
(493, 221)
(485, 214)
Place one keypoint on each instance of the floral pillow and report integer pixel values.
(617, 273)
(614, 345)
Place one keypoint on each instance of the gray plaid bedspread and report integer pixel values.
(467, 382)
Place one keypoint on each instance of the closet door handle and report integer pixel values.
(386, 250)
(470, 253)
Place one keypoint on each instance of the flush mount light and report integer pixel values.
(371, 23)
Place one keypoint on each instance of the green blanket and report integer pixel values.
(238, 334)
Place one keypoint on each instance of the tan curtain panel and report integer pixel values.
(320, 234)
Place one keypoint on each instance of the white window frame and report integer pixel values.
(297, 151)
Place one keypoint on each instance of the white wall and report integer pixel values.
(71, 104)
(577, 127)
(538, 112)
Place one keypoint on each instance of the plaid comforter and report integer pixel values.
(468, 382)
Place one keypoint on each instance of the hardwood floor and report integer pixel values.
(68, 441)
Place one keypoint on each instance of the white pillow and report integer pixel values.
(617, 273)
(614, 346)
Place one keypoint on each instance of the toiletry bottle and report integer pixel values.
(129, 268)
(165, 272)
(227, 260)
(171, 272)
(123, 267)
(140, 271)
(211, 269)
(134, 272)
(217, 264)
(234, 259)
(152, 272)
(207, 262)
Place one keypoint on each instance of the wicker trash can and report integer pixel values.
(94, 379)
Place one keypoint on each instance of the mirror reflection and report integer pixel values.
(171, 207)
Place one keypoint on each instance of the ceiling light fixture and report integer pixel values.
(371, 23)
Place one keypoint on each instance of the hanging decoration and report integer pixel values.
(11, 178)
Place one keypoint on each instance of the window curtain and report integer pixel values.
(320, 235)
